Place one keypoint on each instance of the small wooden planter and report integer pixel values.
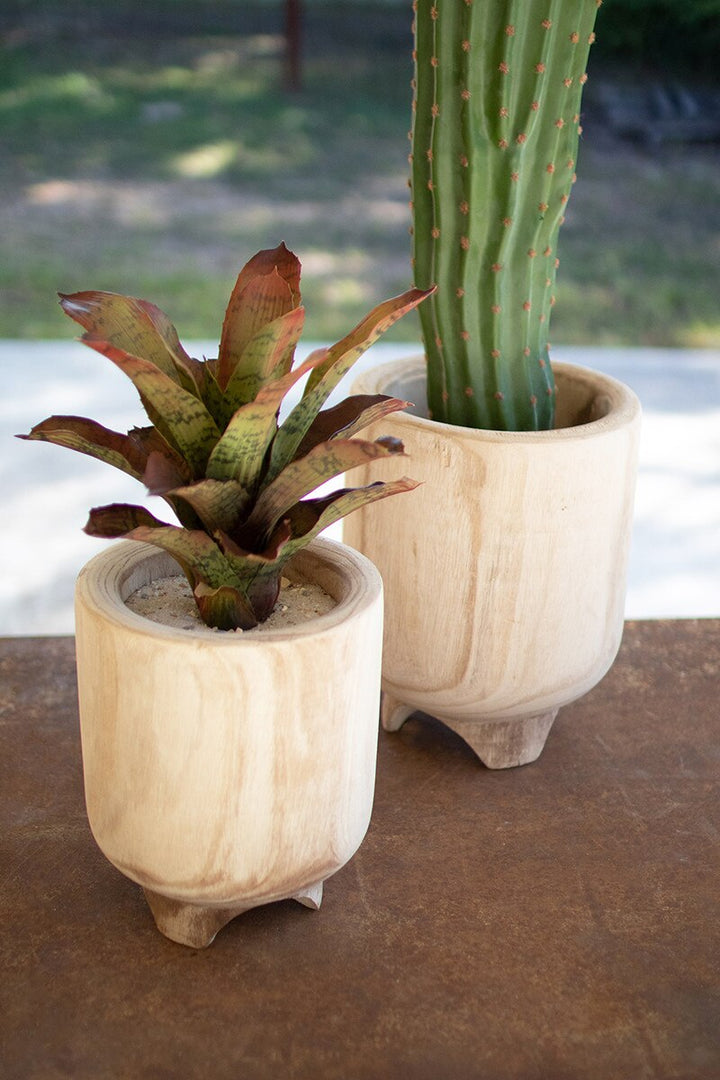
(229, 770)
(505, 571)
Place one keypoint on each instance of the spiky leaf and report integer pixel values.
(178, 415)
(240, 453)
(348, 418)
(268, 355)
(195, 551)
(134, 326)
(88, 437)
(311, 516)
(267, 287)
(325, 461)
(340, 358)
(218, 503)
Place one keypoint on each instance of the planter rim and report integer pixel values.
(624, 405)
(110, 569)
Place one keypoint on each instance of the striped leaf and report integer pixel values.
(240, 453)
(267, 287)
(178, 415)
(308, 518)
(328, 459)
(218, 503)
(136, 327)
(88, 437)
(196, 552)
(340, 358)
(268, 355)
(344, 354)
(348, 418)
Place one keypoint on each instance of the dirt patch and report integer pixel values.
(169, 601)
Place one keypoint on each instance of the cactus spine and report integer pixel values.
(497, 92)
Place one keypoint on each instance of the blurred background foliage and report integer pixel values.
(680, 35)
(151, 148)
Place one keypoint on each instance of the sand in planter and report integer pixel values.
(169, 601)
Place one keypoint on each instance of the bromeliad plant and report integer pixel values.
(497, 92)
(236, 478)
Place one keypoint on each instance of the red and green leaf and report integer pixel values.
(196, 552)
(267, 287)
(164, 472)
(220, 585)
(259, 571)
(136, 327)
(268, 355)
(180, 417)
(88, 437)
(347, 351)
(348, 418)
(217, 503)
(119, 519)
(311, 516)
(225, 607)
(325, 461)
(240, 453)
(340, 358)
(237, 482)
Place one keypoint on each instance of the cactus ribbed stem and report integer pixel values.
(494, 142)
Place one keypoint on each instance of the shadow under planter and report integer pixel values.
(227, 770)
(505, 572)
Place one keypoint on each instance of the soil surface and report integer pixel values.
(170, 601)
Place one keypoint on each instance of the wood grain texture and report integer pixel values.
(505, 571)
(228, 771)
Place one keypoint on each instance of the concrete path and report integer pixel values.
(47, 491)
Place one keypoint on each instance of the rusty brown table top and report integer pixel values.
(554, 922)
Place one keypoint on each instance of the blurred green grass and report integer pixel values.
(153, 152)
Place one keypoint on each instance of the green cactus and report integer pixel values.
(236, 478)
(497, 92)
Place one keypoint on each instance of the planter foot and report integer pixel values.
(394, 713)
(189, 924)
(310, 897)
(503, 744)
(197, 926)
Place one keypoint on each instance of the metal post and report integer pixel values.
(293, 28)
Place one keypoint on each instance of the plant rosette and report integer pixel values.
(505, 575)
(225, 771)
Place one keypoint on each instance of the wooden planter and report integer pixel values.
(228, 770)
(505, 571)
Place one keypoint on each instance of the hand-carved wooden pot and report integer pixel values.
(505, 571)
(228, 770)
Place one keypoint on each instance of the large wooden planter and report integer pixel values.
(505, 571)
(226, 771)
